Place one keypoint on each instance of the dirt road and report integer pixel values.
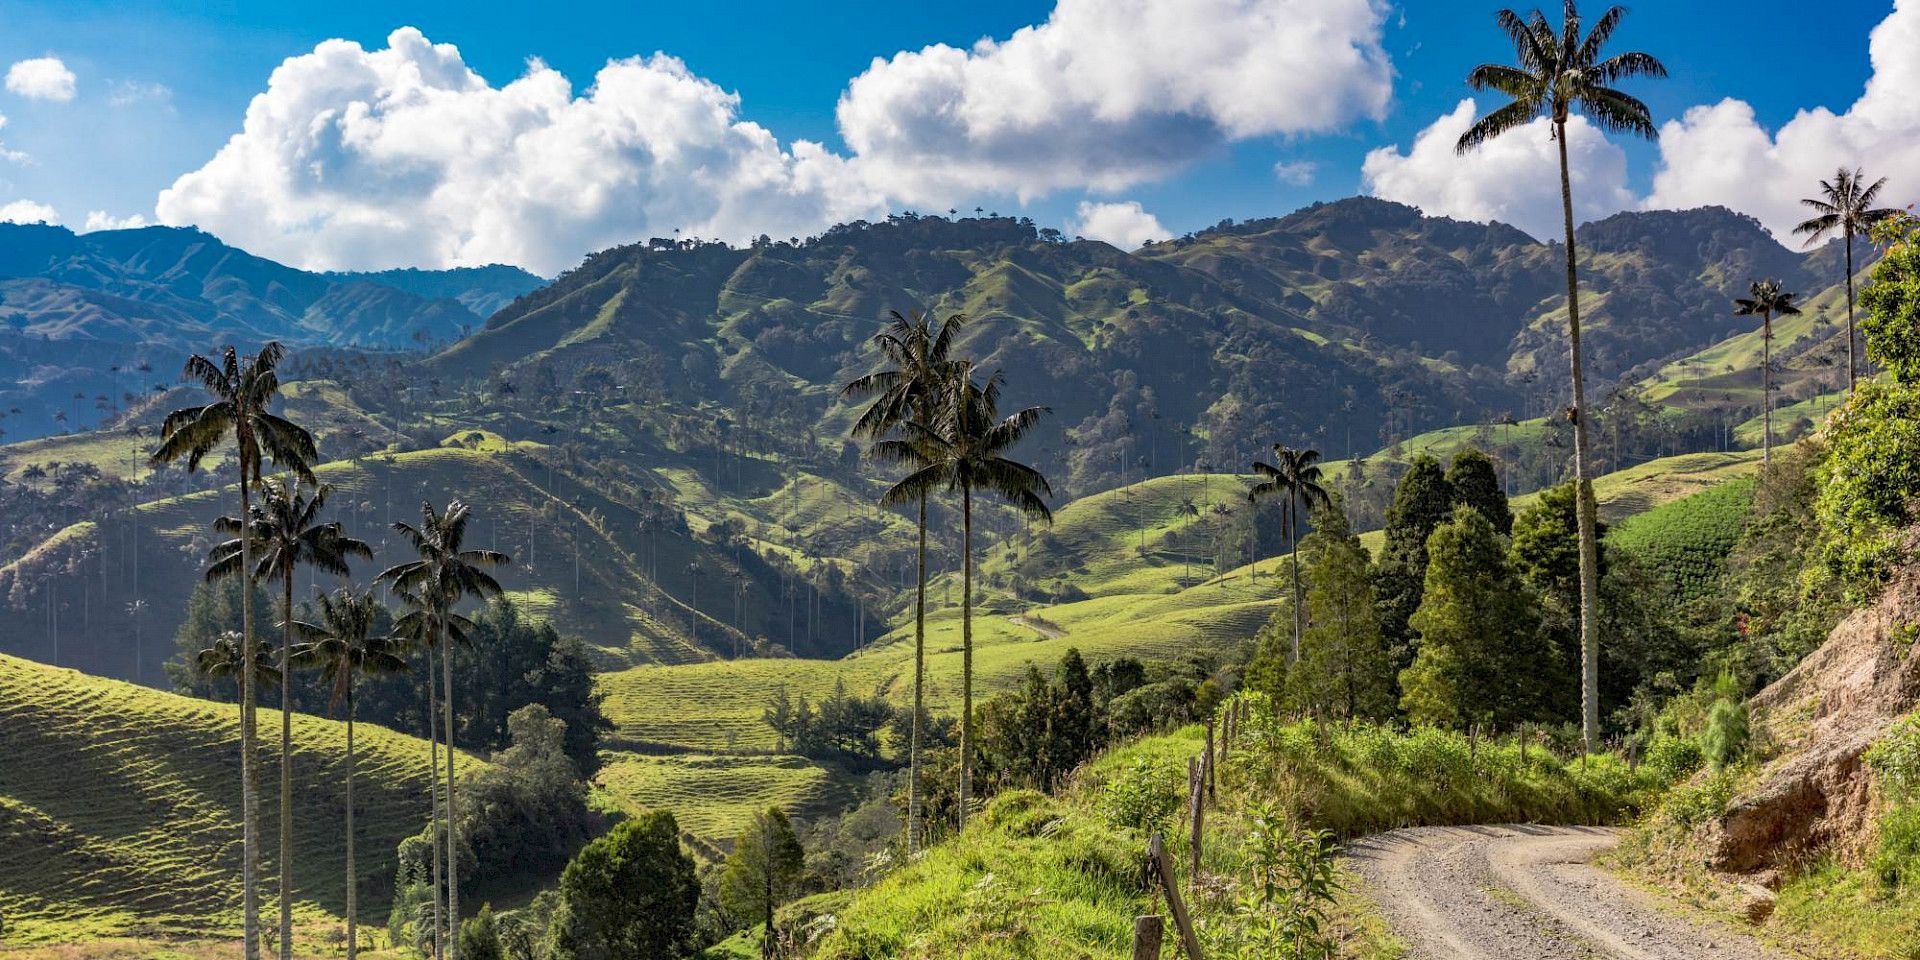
(1527, 893)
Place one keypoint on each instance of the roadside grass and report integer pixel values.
(1062, 876)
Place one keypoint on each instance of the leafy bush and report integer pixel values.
(1870, 482)
(1144, 796)
(1674, 758)
(1896, 859)
(1692, 804)
(1725, 738)
(1892, 301)
(1896, 759)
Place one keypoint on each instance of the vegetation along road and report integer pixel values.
(1527, 893)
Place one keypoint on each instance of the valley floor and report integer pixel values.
(1528, 893)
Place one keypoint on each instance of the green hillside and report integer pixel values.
(122, 809)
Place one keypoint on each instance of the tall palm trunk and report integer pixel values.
(286, 766)
(1853, 368)
(353, 880)
(1766, 383)
(453, 864)
(433, 780)
(919, 689)
(1293, 560)
(966, 650)
(1584, 505)
(249, 788)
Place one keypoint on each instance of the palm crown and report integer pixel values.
(919, 354)
(221, 660)
(344, 641)
(1560, 71)
(446, 572)
(1294, 473)
(1844, 207)
(965, 449)
(286, 533)
(1765, 298)
(241, 393)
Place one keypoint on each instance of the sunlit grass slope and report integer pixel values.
(119, 808)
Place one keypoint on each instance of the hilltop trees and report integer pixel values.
(1766, 300)
(241, 393)
(1845, 206)
(1559, 72)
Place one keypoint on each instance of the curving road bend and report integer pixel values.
(1522, 892)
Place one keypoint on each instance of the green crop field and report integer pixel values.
(1685, 542)
(119, 809)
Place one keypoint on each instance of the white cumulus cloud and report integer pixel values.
(1719, 153)
(1514, 179)
(27, 211)
(1125, 225)
(102, 220)
(41, 78)
(1107, 94)
(1296, 173)
(356, 158)
(16, 156)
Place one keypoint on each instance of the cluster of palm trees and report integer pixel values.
(268, 541)
(933, 416)
(1566, 68)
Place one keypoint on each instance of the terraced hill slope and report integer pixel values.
(119, 809)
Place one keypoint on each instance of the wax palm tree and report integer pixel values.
(1845, 206)
(918, 356)
(434, 632)
(445, 574)
(240, 393)
(1766, 300)
(286, 533)
(1295, 474)
(1558, 73)
(221, 661)
(965, 450)
(345, 644)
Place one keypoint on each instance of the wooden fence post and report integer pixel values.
(1207, 764)
(1163, 865)
(1148, 931)
(1196, 800)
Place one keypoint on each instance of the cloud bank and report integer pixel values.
(358, 158)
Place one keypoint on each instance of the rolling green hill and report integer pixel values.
(121, 809)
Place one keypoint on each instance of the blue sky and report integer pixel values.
(159, 88)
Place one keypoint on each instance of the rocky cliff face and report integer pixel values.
(1818, 794)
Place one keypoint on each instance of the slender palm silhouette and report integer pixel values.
(221, 661)
(965, 450)
(917, 352)
(1296, 475)
(240, 394)
(1845, 206)
(286, 533)
(345, 644)
(445, 574)
(1558, 73)
(1766, 300)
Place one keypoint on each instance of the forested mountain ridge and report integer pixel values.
(114, 312)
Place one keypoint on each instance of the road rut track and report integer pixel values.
(1519, 892)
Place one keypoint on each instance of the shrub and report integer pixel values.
(1896, 759)
(1869, 483)
(1725, 738)
(1896, 859)
(1672, 759)
(1143, 796)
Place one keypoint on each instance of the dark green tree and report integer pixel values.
(629, 894)
(765, 869)
(1421, 502)
(1766, 300)
(1476, 483)
(1477, 629)
(240, 394)
(1557, 73)
(1343, 669)
(1893, 301)
(910, 388)
(480, 936)
(1846, 207)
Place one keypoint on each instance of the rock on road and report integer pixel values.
(1527, 893)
